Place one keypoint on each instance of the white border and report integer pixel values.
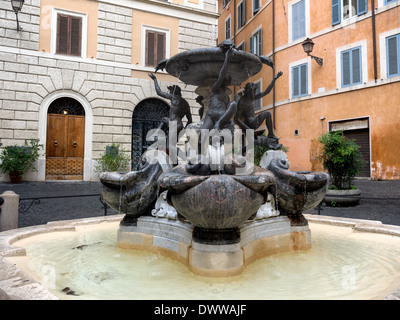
(167, 32)
(297, 63)
(364, 62)
(383, 50)
(290, 28)
(87, 167)
(53, 44)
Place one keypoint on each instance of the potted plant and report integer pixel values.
(114, 159)
(342, 158)
(16, 160)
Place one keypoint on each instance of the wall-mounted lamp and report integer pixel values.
(17, 6)
(308, 46)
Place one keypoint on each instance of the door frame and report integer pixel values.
(87, 161)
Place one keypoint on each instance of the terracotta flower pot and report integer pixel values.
(342, 198)
(15, 177)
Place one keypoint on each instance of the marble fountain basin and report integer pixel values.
(216, 201)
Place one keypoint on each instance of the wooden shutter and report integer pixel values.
(150, 42)
(76, 36)
(361, 7)
(69, 35)
(160, 47)
(336, 12)
(62, 34)
(393, 46)
(155, 47)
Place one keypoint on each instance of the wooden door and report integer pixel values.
(65, 147)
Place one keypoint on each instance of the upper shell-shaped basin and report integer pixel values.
(197, 66)
(216, 201)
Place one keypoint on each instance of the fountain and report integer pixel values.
(213, 210)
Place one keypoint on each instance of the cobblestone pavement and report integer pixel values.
(380, 201)
(72, 200)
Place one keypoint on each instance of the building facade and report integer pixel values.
(76, 75)
(356, 89)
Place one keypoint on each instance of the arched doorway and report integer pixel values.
(146, 116)
(65, 142)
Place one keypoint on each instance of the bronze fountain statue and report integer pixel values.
(216, 198)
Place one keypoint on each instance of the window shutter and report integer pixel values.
(150, 42)
(260, 42)
(298, 20)
(361, 7)
(76, 36)
(345, 68)
(296, 84)
(228, 29)
(160, 47)
(336, 12)
(257, 103)
(351, 67)
(243, 12)
(256, 6)
(393, 55)
(252, 44)
(356, 65)
(303, 80)
(62, 34)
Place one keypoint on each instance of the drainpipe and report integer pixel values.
(374, 40)
(273, 59)
(234, 35)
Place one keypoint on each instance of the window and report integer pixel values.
(256, 43)
(155, 47)
(241, 14)
(300, 80)
(389, 1)
(257, 103)
(256, 6)
(225, 2)
(351, 63)
(299, 20)
(346, 9)
(69, 35)
(393, 55)
(242, 46)
(228, 28)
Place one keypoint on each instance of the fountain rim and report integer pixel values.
(19, 278)
(178, 65)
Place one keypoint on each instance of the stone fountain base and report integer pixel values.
(174, 239)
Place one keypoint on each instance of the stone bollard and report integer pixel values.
(9, 211)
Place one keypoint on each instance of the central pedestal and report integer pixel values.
(214, 254)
